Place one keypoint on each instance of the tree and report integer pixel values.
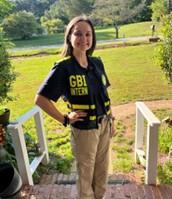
(7, 74)
(77, 7)
(66, 9)
(146, 12)
(116, 12)
(58, 10)
(52, 25)
(164, 55)
(159, 9)
(20, 25)
(37, 7)
(5, 8)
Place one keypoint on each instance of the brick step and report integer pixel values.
(70, 179)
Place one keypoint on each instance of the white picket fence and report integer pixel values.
(143, 114)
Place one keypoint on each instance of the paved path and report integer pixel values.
(115, 41)
(125, 110)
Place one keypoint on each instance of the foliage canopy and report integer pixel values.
(159, 9)
(5, 7)
(55, 14)
(165, 49)
(20, 25)
(37, 7)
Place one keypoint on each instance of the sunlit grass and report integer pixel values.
(133, 76)
(131, 70)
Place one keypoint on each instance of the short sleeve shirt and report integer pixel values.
(56, 84)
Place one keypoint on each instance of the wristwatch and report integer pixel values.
(66, 120)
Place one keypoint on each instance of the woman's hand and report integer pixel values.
(76, 116)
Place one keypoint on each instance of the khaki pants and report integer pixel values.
(91, 150)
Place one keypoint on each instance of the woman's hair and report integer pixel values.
(68, 49)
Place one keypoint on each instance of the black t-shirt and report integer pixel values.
(54, 85)
(95, 86)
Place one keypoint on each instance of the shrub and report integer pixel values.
(52, 25)
(164, 55)
(165, 139)
(165, 173)
(7, 74)
(20, 25)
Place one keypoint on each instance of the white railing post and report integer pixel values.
(139, 132)
(41, 136)
(143, 113)
(151, 154)
(17, 135)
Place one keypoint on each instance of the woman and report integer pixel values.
(82, 81)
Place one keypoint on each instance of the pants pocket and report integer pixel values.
(75, 132)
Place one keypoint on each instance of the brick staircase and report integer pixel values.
(62, 179)
(120, 186)
(118, 191)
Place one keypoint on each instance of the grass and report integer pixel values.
(130, 30)
(133, 76)
(138, 29)
(60, 151)
(122, 158)
(42, 40)
(165, 173)
(165, 133)
(123, 148)
(31, 52)
(57, 50)
(165, 143)
(131, 71)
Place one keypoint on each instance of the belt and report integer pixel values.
(100, 118)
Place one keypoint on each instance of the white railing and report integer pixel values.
(150, 158)
(26, 169)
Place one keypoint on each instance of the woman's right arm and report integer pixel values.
(48, 106)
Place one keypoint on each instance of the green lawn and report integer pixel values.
(40, 41)
(138, 29)
(130, 30)
(133, 76)
(131, 70)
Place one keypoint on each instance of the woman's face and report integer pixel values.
(81, 37)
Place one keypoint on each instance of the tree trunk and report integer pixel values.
(116, 31)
